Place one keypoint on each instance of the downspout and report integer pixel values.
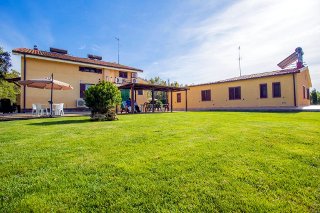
(294, 89)
(186, 100)
(24, 78)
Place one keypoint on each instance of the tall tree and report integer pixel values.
(7, 89)
(161, 96)
(5, 62)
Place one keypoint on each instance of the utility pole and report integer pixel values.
(118, 39)
(239, 61)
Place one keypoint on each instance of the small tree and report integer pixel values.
(314, 97)
(102, 100)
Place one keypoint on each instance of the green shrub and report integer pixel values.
(102, 99)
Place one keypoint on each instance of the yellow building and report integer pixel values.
(282, 88)
(80, 73)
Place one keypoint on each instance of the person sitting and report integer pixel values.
(136, 107)
(128, 103)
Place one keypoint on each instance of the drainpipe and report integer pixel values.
(186, 100)
(294, 89)
(24, 78)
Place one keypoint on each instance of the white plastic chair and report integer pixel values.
(34, 109)
(59, 109)
(40, 110)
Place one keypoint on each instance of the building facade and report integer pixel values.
(80, 73)
(282, 88)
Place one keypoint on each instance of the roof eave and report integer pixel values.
(74, 62)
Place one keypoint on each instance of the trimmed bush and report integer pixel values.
(102, 99)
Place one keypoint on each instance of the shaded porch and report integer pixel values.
(134, 87)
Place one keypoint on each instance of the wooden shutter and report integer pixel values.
(231, 93)
(178, 97)
(276, 87)
(237, 92)
(208, 95)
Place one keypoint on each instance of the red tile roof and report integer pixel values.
(67, 57)
(253, 76)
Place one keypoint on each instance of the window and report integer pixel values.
(308, 93)
(123, 74)
(304, 92)
(140, 92)
(234, 93)
(263, 91)
(206, 95)
(84, 87)
(90, 69)
(134, 75)
(276, 90)
(178, 97)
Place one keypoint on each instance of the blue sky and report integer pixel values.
(190, 41)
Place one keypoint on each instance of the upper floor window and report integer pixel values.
(178, 97)
(134, 75)
(123, 74)
(206, 95)
(90, 69)
(140, 92)
(234, 93)
(263, 91)
(276, 90)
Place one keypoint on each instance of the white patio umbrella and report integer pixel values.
(47, 83)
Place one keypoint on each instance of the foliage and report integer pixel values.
(102, 99)
(315, 97)
(9, 90)
(162, 162)
(161, 96)
(5, 62)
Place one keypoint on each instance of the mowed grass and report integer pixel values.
(169, 162)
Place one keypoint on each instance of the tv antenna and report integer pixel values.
(118, 39)
(239, 61)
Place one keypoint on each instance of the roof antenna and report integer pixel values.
(239, 61)
(118, 39)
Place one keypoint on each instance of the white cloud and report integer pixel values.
(267, 31)
(82, 47)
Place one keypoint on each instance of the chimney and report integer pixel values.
(35, 47)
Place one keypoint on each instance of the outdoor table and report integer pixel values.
(54, 106)
(40, 109)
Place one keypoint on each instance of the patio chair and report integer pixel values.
(34, 109)
(147, 107)
(59, 109)
(40, 110)
(124, 107)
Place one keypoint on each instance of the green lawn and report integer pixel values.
(169, 162)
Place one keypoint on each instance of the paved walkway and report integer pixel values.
(312, 108)
(25, 116)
